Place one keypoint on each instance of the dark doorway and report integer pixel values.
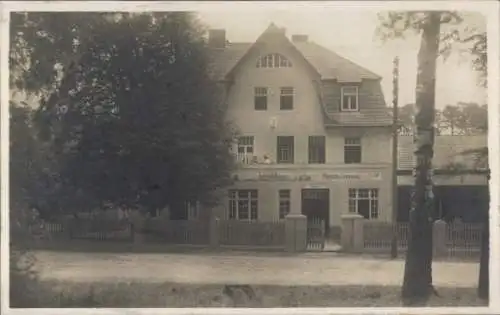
(316, 205)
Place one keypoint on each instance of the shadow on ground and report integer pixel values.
(134, 294)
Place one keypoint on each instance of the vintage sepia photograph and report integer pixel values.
(248, 157)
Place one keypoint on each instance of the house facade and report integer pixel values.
(314, 132)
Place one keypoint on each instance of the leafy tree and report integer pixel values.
(23, 152)
(452, 118)
(475, 117)
(44, 44)
(417, 283)
(396, 25)
(405, 115)
(460, 119)
(136, 120)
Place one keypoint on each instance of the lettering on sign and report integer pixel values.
(304, 178)
(281, 176)
(314, 186)
(274, 176)
(353, 176)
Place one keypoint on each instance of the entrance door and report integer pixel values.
(316, 205)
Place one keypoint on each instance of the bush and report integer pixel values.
(25, 287)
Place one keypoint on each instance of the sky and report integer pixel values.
(352, 35)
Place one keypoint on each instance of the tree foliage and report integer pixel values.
(128, 109)
(451, 37)
(456, 35)
(459, 119)
(43, 44)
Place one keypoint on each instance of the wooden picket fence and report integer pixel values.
(100, 230)
(460, 240)
(463, 239)
(182, 232)
(251, 233)
(378, 236)
(174, 232)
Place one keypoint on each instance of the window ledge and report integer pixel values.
(349, 110)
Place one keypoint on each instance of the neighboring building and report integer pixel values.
(461, 187)
(315, 132)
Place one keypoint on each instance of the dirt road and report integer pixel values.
(315, 269)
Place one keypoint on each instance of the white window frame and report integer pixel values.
(349, 107)
(248, 148)
(355, 195)
(284, 202)
(250, 199)
(273, 60)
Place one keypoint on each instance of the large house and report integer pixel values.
(314, 131)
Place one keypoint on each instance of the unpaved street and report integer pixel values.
(208, 268)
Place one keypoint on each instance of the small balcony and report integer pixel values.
(245, 159)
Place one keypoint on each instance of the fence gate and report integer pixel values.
(315, 234)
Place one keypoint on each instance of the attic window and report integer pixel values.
(273, 61)
(349, 98)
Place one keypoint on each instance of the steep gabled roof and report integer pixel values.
(380, 117)
(222, 60)
(327, 63)
(332, 66)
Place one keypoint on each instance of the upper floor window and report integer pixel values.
(349, 98)
(260, 98)
(285, 149)
(286, 98)
(273, 61)
(352, 150)
(317, 150)
(245, 149)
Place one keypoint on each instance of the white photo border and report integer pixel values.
(490, 9)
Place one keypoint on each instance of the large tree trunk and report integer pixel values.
(417, 283)
(484, 262)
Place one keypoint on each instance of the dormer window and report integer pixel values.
(349, 99)
(273, 61)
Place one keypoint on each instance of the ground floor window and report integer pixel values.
(284, 202)
(193, 210)
(364, 202)
(243, 204)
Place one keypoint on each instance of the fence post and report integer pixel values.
(68, 228)
(295, 233)
(352, 238)
(214, 232)
(132, 232)
(439, 238)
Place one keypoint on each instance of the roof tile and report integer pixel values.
(329, 64)
(372, 117)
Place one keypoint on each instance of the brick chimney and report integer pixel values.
(217, 38)
(300, 38)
